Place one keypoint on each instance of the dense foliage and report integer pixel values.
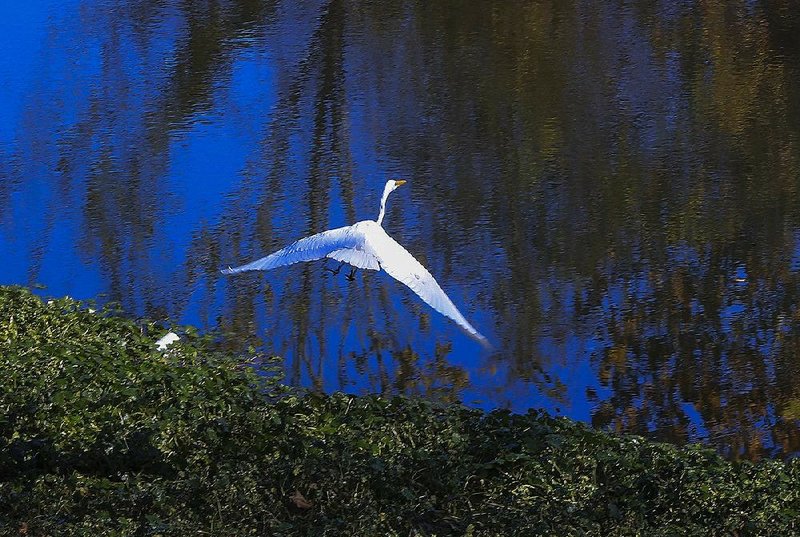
(101, 434)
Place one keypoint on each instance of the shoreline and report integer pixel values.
(101, 433)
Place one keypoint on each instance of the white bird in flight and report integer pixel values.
(366, 245)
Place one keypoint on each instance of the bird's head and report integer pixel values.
(392, 184)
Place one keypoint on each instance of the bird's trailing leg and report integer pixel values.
(336, 270)
(352, 275)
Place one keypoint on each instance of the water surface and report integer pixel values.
(607, 190)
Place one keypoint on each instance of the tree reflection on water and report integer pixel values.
(609, 189)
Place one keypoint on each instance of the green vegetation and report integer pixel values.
(100, 434)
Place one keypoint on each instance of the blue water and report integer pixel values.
(607, 192)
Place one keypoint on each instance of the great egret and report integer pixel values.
(366, 245)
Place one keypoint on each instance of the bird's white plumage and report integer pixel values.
(366, 245)
(403, 267)
(308, 249)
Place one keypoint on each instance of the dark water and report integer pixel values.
(610, 191)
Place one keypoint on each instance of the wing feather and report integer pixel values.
(342, 243)
(403, 267)
(366, 245)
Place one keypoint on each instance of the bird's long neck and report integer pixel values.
(382, 213)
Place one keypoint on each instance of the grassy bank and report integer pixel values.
(100, 434)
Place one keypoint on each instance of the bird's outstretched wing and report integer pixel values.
(342, 244)
(402, 266)
(366, 245)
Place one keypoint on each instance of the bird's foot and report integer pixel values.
(352, 275)
(336, 270)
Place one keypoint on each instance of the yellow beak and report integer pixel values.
(401, 182)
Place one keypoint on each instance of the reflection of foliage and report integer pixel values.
(614, 173)
(720, 343)
(608, 145)
(438, 379)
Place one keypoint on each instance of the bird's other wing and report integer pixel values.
(342, 243)
(402, 266)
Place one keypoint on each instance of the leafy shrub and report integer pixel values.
(101, 434)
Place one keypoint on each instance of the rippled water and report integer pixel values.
(607, 190)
